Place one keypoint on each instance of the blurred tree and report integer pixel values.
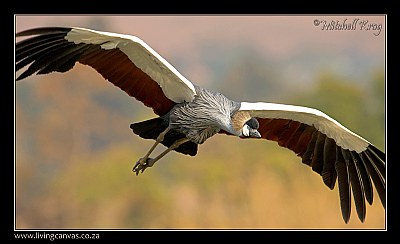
(376, 103)
(75, 153)
(359, 108)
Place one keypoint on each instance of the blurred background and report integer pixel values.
(75, 150)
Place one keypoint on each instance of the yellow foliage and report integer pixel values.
(74, 162)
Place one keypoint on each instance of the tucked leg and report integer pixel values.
(144, 163)
(159, 139)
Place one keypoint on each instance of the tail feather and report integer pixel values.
(150, 129)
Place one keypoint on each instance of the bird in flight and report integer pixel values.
(188, 114)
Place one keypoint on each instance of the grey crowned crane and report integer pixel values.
(189, 114)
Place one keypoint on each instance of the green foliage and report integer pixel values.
(359, 108)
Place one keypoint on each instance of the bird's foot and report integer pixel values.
(143, 164)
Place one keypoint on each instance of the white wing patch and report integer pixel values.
(174, 85)
(322, 122)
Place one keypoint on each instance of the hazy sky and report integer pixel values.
(342, 43)
(277, 35)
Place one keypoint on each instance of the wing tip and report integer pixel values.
(43, 30)
(381, 155)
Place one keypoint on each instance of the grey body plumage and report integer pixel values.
(206, 115)
(188, 124)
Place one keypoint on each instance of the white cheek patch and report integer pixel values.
(245, 130)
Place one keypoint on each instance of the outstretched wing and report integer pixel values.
(124, 60)
(332, 150)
